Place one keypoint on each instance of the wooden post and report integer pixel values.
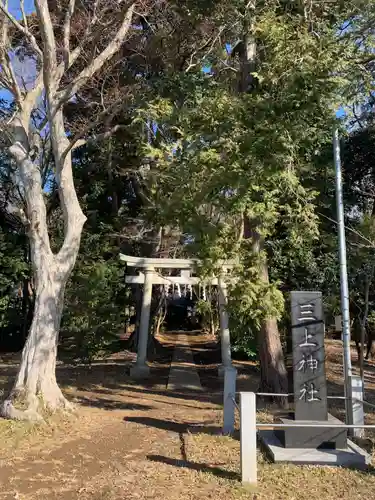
(230, 375)
(248, 438)
(358, 414)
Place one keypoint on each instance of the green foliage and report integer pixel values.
(96, 295)
(208, 311)
(244, 342)
(203, 307)
(224, 156)
(95, 308)
(254, 298)
(13, 270)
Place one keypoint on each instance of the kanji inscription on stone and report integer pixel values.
(309, 378)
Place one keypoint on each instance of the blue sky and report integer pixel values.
(14, 7)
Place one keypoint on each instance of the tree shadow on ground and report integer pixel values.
(114, 375)
(111, 379)
(109, 376)
(161, 401)
(178, 427)
(188, 396)
(110, 404)
(216, 471)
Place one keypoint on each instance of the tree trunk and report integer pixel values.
(161, 310)
(273, 373)
(361, 357)
(27, 308)
(36, 379)
(35, 383)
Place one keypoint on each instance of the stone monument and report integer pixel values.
(309, 379)
(317, 443)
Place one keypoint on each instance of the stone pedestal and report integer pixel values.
(311, 437)
(351, 456)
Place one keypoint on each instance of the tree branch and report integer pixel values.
(8, 67)
(354, 231)
(73, 56)
(24, 17)
(99, 61)
(8, 78)
(99, 137)
(356, 117)
(67, 23)
(211, 42)
(31, 97)
(78, 141)
(49, 51)
(23, 29)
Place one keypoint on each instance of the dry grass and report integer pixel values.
(130, 441)
(281, 482)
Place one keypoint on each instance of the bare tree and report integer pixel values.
(55, 54)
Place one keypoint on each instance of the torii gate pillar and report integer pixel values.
(226, 357)
(141, 369)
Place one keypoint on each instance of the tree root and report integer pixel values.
(31, 414)
(62, 405)
(9, 411)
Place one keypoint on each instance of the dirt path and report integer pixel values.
(129, 434)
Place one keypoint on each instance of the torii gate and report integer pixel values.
(149, 277)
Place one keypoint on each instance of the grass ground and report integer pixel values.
(131, 441)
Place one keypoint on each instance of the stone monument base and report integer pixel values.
(352, 456)
(311, 437)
